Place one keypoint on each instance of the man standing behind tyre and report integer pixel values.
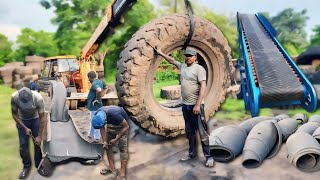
(98, 89)
(27, 109)
(193, 86)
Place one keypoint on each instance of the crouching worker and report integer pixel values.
(28, 111)
(115, 132)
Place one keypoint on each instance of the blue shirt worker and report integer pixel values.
(193, 86)
(98, 89)
(27, 109)
(34, 85)
(116, 121)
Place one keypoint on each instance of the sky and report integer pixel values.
(18, 14)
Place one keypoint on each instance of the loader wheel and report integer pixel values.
(138, 63)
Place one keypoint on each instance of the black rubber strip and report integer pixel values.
(191, 24)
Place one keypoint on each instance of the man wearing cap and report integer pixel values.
(193, 86)
(94, 102)
(116, 131)
(27, 109)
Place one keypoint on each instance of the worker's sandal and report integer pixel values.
(188, 158)
(106, 171)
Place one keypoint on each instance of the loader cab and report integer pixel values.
(60, 68)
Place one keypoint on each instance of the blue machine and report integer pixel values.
(269, 77)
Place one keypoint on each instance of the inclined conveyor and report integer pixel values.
(269, 77)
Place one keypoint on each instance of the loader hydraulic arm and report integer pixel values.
(112, 18)
(109, 21)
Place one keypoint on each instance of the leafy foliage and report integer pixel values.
(315, 39)
(227, 26)
(166, 75)
(166, 71)
(5, 50)
(32, 42)
(140, 14)
(172, 6)
(76, 21)
(177, 55)
(290, 27)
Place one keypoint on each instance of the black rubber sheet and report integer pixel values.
(64, 142)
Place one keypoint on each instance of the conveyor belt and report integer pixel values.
(277, 81)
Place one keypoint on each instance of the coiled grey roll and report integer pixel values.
(250, 123)
(281, 117)
(288, 127)
(304, 151)
(315, 118)
(226, 143)
(311, 126)
(263, 141)
(301, 117)
(316, 134)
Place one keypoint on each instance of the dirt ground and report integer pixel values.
(153, 157)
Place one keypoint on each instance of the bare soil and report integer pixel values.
(154, 157)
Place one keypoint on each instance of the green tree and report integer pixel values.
(76, 21)
(5, 50)
(227, 26)
(315, 39)
(290, 27)
(140, 14)
(172, 6)
(32, 42)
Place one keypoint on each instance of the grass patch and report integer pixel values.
(10, 165)
(292, 112)
(110, 78)
(157, 88)
(233, 109)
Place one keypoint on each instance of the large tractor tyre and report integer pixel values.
(138, 64)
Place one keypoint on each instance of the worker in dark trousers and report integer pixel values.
(113, 124)
(193, 86)
(28, 111)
